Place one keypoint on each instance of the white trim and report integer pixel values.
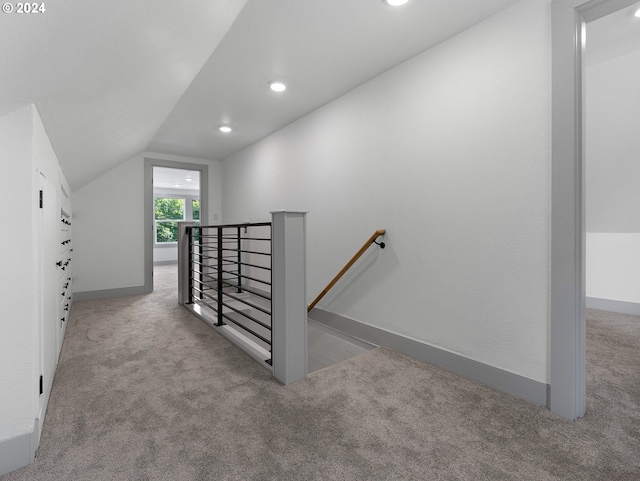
(508, 382)
(17, 452)
(109, 293)
(288, 296)
(567, 358)
(611, 305)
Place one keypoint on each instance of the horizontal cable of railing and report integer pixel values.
(253, 292)
(204, 287)
(228, 306)
(249, 265)
(242, 326)
(231, 273)
(253, 305)
(231, 262)
(226, 263)
(226, 283)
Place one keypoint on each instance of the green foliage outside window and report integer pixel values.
(167, 232)
(167, 211)
(195, 205)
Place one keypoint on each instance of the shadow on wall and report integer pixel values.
(375, 264)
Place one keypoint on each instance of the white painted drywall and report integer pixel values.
(450, 152)
(43, 154)
(18, 323)
(48, 284)
(166, 254)
(613, 179)
(26, 153)
(613, 266)
(613, 157)
(108, 228)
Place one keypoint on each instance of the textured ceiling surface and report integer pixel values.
(113, 79)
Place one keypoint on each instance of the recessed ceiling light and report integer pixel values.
(277, 86)
(225, 129)
(395, 3)
(637, 14)
(177, 185)
(188, 179)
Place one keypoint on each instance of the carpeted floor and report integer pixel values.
(146, 391)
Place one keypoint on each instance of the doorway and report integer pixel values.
(612, 172)
(176, 197)
(567, 338)
(172, 169)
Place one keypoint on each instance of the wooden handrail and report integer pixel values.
(357, 255)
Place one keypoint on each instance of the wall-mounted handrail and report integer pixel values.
(365, 246)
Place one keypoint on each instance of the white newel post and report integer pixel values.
(289, 296)
(183, 262)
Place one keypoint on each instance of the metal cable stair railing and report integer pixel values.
(248, 282)
(230, 281)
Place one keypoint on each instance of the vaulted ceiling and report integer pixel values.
(113, 79)
(613, 36)
(105, 75)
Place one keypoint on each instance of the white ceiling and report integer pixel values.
(613, 36)
(320, 48)
(167, 178)
(105, 75)
(113, 79)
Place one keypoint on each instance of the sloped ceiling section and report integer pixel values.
(613, 36)
(105, 75)
(320, 48)
(114, 78)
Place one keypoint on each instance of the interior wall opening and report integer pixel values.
(177, 168)
(176, 197)
(567, 337)
(612, 172)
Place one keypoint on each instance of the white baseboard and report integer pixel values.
(513, 384)
(17, 452)
(611, 305)
(109, 293)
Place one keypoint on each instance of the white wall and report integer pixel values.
(26, 153)
(613, 179)
(108, 227)
(450, 152)
(18, 342)
(166, 254)
(613, 266)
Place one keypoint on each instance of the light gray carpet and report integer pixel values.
(146, 391)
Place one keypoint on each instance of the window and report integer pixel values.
(195, 210)
(168, 212)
